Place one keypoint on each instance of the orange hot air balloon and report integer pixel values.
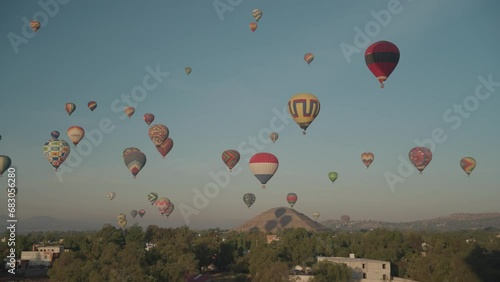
(165, 147)
(367, 158)
(75, 134)
(129, 111)
(253, 26)
(309, 57)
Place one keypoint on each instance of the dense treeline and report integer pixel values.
(112, 254)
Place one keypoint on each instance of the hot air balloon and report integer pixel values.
(162, 204)
(129, 111)
(274, 136)
(75, 134)
(316, 215)
(367, 158)
(170, 209)
(158, 133)
(111, 195)
(135, 161)
(257, 14)
(333, 176)
(70, 108)
(253, 27)
(304, 108)
(230, 158)
(420, 157)
(55, 134)
(382, 58)
(249, 199)
(92, 105)
(152, 197)
(309, 57)
(35, 25)
(468, 164)
(263, 166)
(345, 219)
(122, 220)
(133, 213)
(5, 163)
(128, 150)
(291, 198)
(149, 118)
(187, 70)
(165, 147)
(56, 152)
(141, 213)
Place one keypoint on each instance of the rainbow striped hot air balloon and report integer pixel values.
(263, 166)
(309, 57)
(70, 108)
(468, 164)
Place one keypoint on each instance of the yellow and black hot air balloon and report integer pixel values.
(304, 108)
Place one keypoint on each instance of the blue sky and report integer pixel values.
(93, 50)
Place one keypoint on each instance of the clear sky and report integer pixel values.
(100, 50)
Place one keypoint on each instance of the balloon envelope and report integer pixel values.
(129, 111)
(468, 164)
(274, 136)
(92, 105)
(152, 197)
(128, 150)
(165, 147)
(257, 14)
(170, 209)
(149, 118)
(304, 108)
(309, 57)
(133, 213)
(382, 58)
(162, 204)
(70, 108)
(367, 158)
(249, 199)
(135, 161)
(316, 215)
(141, 213)
(35, 25)
(5, 163)
(187, 70)
(253, 27)
(55, 134)
(56, 152)
(420, 157)
(291, 198)
(158, 133)
(230, 158)
(111, 195)
(333, 176)
(75, 134)
(263, 166)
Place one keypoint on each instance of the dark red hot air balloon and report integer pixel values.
(382, 58)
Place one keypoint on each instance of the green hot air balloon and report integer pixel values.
(333, 176)
(152, 197)
(249, 199)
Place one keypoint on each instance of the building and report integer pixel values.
(271, 238)
(364, 270)
(41, 256)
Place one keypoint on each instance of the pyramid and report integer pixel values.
(280, 218)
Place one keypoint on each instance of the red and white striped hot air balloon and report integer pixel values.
(263, 166)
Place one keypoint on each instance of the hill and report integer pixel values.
(453, 222)
(278, 219)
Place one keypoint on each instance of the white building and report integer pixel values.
(41, 256)
(364, 270)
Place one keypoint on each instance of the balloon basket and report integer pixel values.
(263, 186)
(304, 132)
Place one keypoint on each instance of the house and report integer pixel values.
(364, 270)
(198, 278)
(271, 238)
(41, 256)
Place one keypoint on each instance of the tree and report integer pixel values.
(326, 271)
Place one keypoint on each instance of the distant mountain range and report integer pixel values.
(282, 217)
(453, 222)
